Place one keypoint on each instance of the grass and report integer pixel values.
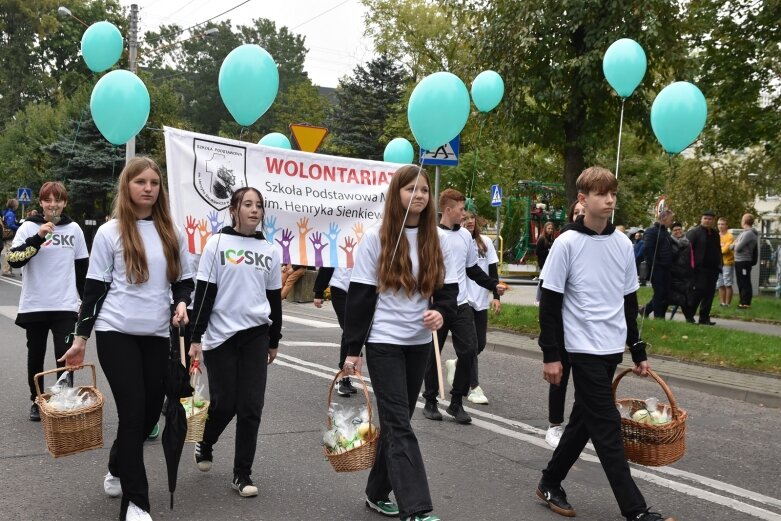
(764, 308)
(713, 346)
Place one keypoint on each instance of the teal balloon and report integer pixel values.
(119, 106)
(438, 109)
(101, 46)
(399, 150)
(248, 82)
(678, 116)
(487, 90)
(276, 140)
(624, 65)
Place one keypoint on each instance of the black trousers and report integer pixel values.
(465, 344)
(481, 331)
(397, 374)
(37, 336)
(743, 276)
(702, 294)
(339, 301)
(557, 394)
(237, 372)
(660, 281)
(134, 367)
(595, 416)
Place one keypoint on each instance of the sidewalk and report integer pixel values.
(748, 387)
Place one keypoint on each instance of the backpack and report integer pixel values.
(755, 255)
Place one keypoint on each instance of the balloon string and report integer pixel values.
(477, 156)
(76, 136)
(618, 152)
(241, 134)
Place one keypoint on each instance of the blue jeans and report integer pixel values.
(397, 374)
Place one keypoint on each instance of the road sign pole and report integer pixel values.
(436, 189)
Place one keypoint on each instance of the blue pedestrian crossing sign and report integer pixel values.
(24, 195)
(496, 195)
(446, 155)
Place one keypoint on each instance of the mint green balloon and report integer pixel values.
(101, 46)
(487, 90)
(438, 109)
(276, 140)
(678, 115)
(248, 82)
(624, 65)
(119, 106)
(399, 150)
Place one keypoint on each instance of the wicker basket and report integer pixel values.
(359, 458)
(71, 432)
(195, 422)
(647, 444)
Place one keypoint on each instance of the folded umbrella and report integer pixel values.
(177, 386)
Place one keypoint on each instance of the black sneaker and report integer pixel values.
(456, 410)
(651, 516)
(35, 414)
(203, 457)
(431, 411)
(349, 385)
(556, 499)
(345, 388)
(245, 486)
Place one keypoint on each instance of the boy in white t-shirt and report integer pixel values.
(589, 307)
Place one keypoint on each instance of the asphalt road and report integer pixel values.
(487, 470)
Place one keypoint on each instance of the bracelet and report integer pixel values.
(84, 337)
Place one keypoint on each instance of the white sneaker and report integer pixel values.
(112, 486)
(450, 366)
(553, 436)
(477, 395)
(136, 513)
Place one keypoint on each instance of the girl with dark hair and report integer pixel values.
(139, 259)
(52, 253)
(398, 294)
(239, 337)
(481, 299)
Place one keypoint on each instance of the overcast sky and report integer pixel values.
(333, 28)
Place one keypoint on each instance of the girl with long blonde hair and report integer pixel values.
(138, 261)
(400, 275)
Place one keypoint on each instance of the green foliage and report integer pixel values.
(550, 54)
(365, 101)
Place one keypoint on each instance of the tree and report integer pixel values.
(365, 102)
(549, 53)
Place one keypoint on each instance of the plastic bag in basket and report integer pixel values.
(349, 428)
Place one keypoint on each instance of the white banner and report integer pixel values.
(317, 206)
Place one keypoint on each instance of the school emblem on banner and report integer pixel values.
(218, 170)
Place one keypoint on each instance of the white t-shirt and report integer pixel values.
(243, 268)
(398, 319)
(135, 309)
(341, 278)
(594, 272)
(49, 278)
(463, 252)
(479, 297)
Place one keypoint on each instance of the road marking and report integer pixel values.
(12, 281)
(9, 311)
(305, 366)
(307, 344)
(308, 322)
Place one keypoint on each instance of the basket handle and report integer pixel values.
(670, 398)
(66, 368)
(363, 387)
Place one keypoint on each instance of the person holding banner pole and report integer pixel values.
(400, 292)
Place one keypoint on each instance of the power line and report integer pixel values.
(217, 16)
(319, 15)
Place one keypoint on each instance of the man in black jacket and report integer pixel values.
(659, 258)
(706, 253)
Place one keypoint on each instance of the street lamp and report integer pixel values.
(65, 12)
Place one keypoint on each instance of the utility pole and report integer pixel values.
(132, 45)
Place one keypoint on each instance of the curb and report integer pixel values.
(753, 393)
